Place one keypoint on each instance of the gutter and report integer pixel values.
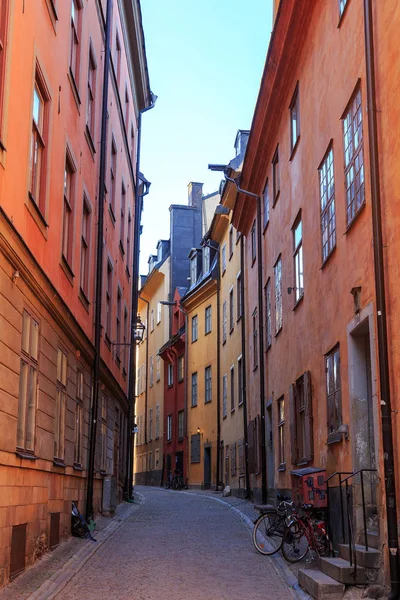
(386, 410)
(99, 268)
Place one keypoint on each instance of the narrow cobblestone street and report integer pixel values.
(179, 546)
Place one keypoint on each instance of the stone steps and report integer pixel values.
(369, 559)
(319, 585)
(342, 571)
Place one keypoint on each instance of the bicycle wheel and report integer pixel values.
(295, 544)
(267, 533)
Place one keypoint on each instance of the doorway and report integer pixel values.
(207, 467)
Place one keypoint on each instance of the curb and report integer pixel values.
(57, 582)
(277, 561)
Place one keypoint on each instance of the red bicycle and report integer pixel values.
(305, 532)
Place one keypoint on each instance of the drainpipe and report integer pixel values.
(244, 391)
(261, 338)
(386, 411)
(145, 389)
(99, 267)
(218, 372)
(185, 401)
(135, 294)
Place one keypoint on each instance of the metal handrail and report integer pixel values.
(361, 471)
(339, 473)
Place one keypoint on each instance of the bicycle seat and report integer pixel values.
(262, 508)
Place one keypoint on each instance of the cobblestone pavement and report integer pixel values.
(179, 546)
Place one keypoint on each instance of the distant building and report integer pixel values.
(51, 82)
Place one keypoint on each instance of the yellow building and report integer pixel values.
(149, 411)
(200, 303)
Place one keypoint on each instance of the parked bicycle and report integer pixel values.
(306, 532)
(270, 526)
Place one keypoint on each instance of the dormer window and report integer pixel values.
(193, 269)
(206, 258)
(159, 252)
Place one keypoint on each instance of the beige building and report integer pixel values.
(149, 439)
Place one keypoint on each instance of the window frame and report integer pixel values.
(266, 205)
(169, 428)
(74, 43)
(109, 295)
(181, 368)
(79, 408)
(207, 320)
(230, 242)
(86, 229)
(91, 96)
(294, 109)
(281, 433)
(170, 374)
(239, 296)
(350, 162)
(255, 337)
(207, 384)
(334, 399)
(253, 243)
(181, 416)
(194, 388)
(195, 328)
(298, 259)
(224, 322)
(276, 180)
(61, 401)
(278, 295)
(223, 259)
(240, 381)
(225, 396)
(232, 386)
(70, 171)
(326, 176)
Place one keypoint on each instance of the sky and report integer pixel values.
(205, 60)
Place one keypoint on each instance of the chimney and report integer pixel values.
(195, 194)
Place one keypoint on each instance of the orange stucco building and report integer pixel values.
(317, 268)
(51, 106)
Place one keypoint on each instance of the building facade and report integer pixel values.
(51, 81)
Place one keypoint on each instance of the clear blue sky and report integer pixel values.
(206, 59)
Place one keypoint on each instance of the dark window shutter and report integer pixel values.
(250, 433)
(292, 424)
(308, 442)
(195, 448)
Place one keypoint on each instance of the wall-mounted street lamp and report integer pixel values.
(138, 331)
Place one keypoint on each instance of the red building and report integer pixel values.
(173, 354)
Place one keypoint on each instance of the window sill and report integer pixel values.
(103, 472)
(255, 368)
(111, 211)
(303, 462)
(291, 157)
(253, 261)
(26, 455)
(231, 330)
(278, 332)
(282, 467)
(299, 301)
(124, 372)
(180, 439)
(59, 463)
(67, 269)
(74, 89)
(37, 215)
(232, 410)
(224, 416)
(52, 12)
(194, 341)
(239, 235)
(240, 404)
(179, 380)
(90, 142)
(122, 249)
(265, 226)
(207, 401)
(207, 332)
(268, 347)
(77, 467)
(239, 318)
(2, 146)
(230, 256)
(194, 406)
(127, 272)
(331, 253)
(118, 361)
(224, 342)
(355, 218)
(334, 437)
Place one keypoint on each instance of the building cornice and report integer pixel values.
(200, 294)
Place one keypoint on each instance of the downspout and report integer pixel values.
(386, 411)
(185, 402)
(145, 389)
(134, 307)
(218, 373)
(244, 391)
(99, 267)
(261, 338)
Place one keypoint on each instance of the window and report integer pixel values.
(28, 383)
(85, 246)
(126, 108)
(78, 418)
(208, 322)
(74, 57)
(4, 8)
(193, 270)
(118, 325)
(230, 242)
(281, 431)
(181, 368)
(128, 243)
(253, 243)
(353, 157)
(255, 339)
(298, 258)
(301, 420)
(224, 319)
(103, 434)
(151, 369)
(268, 314)
(239, 296)
(225, 396)
(342, 6)
(126, 349)
(180, 425)
(108, 299)
(233, 459)
(91, 94)
(194, 328)
(170, 374)
(157, 421)
(294, 119)
(158, 369)
(117, 58)
(278, 295)
(327, 197)
(232, 388)
(195, 448)
(150, 424)
(122, 230)
(208, 388)
(159, 312)
(240, 381)
(333, 389)
(206, 259)
(38, 150)
(61, 397)
(68, 214)
(113, 174)
(276, 180)
(231, 311)
(132, 143)
(194, 389)
(223, 258)
(169, 428)
(152, 320)
(266, 205)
